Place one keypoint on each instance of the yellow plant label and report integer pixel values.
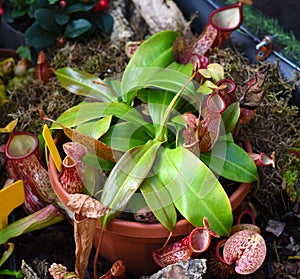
(52, 147)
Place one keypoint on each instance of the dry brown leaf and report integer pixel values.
(86, 206)
(84, 229)
(93, 145)
(254, 92)
(86, 212)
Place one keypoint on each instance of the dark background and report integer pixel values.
(287, 12)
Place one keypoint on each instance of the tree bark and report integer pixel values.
(162, 15)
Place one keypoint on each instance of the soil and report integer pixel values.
(41, 248)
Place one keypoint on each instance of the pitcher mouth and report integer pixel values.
(219, 18)
(20, 145)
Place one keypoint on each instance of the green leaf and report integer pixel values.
(38, 38)
(44, 3)
(229, 137)
(51, 2)
(214, 71)
(76, 28)
(97, 163)
(7, 253)
(85, 84)
(231, 116)
(126, 177)
(164, 79)
(186, 69)
(95, 128)
(157, 52)
(231, 161)
(104, 21)
(78, 7)
(159, 201)
(46, 19)
(158, 102)
(87, 111)
(177, 124)
(195, 190)
(43, 218)
(206, 87)
(18, 12)
(18, 274)
(178, 120)
(125, 135)
(135, 203)
(115, 85)
(24, 52)
(61, 19)
(93, 178)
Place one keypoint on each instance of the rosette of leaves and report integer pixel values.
(56, 20)
(140, 117)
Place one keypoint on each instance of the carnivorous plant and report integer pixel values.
(151, 122)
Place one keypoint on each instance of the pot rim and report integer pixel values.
(143, 230)
(7, 52)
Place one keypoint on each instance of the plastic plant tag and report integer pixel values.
(11, 197)
(52, 147)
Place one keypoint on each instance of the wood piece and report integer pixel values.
(162, 15)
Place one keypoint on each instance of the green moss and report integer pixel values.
(291, 179)
(291, 171)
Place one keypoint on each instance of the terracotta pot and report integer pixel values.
(134, 242)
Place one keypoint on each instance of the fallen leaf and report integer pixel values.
(10, 127)
(84, 229)
(86, 206)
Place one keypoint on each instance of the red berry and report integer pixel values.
(60, 40)
(63, 3)
(101, 6)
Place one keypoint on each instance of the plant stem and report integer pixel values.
(97, 254)
(171, 105)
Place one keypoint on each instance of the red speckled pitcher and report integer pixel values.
(23, 161)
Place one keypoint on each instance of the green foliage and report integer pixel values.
(23, 51)
(292, 175)
(15, 273)
(231, 161)
(43, 218)
(145, 111)
(291, 178)
(22, 8)
(51, 21)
